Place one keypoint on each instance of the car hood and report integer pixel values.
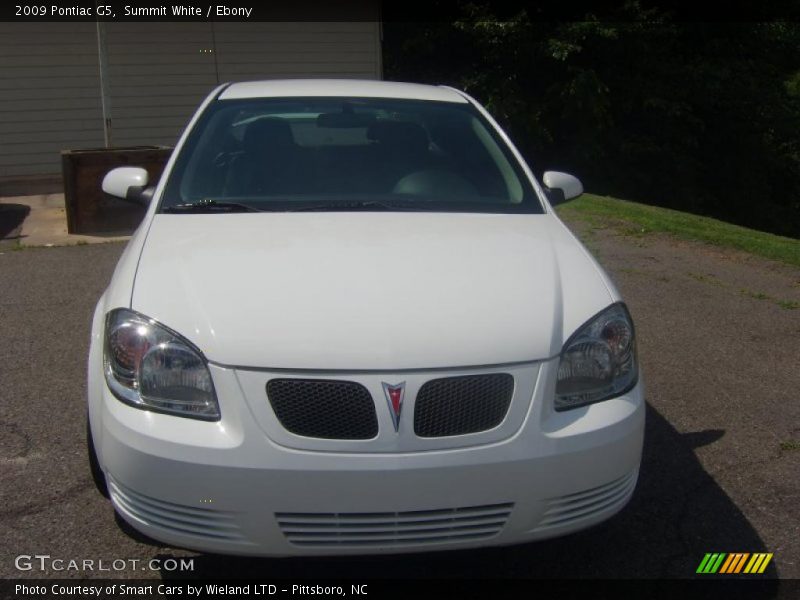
(368, 290)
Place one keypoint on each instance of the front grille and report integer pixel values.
(320, 408)
(564, 510)
(461, 405)
(394, 528)
(177, 518)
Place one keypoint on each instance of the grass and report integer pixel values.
(18, 246)
(757, 295)
(632, 218)
(789, 446)
(787, 304)
(711, 279)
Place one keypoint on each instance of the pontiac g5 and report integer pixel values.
(351, 322)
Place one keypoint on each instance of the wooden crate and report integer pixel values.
(89, 209)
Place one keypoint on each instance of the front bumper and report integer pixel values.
(230, 487)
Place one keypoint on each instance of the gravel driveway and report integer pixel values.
(719, 342)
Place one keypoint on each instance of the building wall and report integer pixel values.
(50, 88)
(49, 94)
(158, 74)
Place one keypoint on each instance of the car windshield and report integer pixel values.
(272, 154)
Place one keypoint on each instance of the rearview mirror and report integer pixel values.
(344, 120)
(565, 186)
(129, 184)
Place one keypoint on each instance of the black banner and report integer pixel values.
(122, 11)
(375, 10)
(368, 589)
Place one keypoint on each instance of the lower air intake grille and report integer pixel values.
(394, 528)
(460, 405)
(320, 408)
(177, 518)
(565, 510)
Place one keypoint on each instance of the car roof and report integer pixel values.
(355, 88)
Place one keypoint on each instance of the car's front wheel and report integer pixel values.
(94, 465)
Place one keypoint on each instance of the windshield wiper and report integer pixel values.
(209, 206)
(352, 205)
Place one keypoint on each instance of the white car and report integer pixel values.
(351, 322)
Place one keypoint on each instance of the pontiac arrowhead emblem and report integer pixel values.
(394, 397)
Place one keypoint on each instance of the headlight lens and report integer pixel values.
(599, 361)
(150, 367)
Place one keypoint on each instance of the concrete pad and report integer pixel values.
(46, 224)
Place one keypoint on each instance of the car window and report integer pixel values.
(280, 153)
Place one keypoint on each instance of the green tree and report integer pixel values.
(702, 117)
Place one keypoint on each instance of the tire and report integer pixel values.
(94, 465)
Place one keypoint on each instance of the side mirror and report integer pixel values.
(565, 186)
(129, 184)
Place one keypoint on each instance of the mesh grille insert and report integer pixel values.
(461, 405)
(320, 408)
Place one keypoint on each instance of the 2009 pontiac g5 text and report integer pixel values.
(351, 323)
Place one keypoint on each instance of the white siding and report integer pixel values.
(49, 94)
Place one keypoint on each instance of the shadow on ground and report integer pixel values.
(677, 514)
(11, 219)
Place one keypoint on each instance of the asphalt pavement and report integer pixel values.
(718, 341)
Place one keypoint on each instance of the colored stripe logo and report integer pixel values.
(734, 563)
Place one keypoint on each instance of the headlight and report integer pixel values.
(599, 361)
(152, 368)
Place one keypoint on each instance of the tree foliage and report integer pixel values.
(703, 117)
